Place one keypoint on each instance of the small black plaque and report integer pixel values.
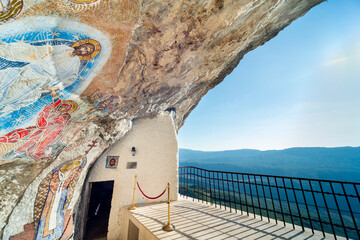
(131, 165)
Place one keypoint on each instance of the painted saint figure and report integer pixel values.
(86, 113)
(50, 124)
(51, 213)
(43, 66)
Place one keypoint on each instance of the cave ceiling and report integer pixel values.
(75, 74)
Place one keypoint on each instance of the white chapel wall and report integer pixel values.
(156, 155)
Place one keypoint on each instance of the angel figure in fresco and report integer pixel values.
(40, 67)
(51, 214)
(5, 6)
(35, 140)
(100, 105)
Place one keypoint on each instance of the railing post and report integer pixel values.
(228, 190)
(132, 207)
(168, 227)
(211, 202)
(306, 205)
(237, 183)
(338, 209)
(233, 191)
(297, 204)
(246, 202)
(258, 197)
(266, 206)
(251, 195)
(281, 208)
(288, 202)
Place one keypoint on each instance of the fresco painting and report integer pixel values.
(42, 73)
(50, 124)
(10, 9)
(50, 53)
(91, 107)
(95, 105)
(77, 6)
(54, 195)
(52, 217)
(83, 1)
(36, 141)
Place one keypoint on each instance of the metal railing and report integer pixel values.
(332, 207)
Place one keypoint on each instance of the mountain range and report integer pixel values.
(339, 163)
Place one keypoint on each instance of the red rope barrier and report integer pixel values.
(148, 196)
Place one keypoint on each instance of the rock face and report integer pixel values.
(74, 74)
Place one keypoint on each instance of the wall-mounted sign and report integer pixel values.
(112, 161)
(131, 165)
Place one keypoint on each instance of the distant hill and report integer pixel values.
(340, 163)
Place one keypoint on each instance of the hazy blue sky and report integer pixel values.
(300, 89)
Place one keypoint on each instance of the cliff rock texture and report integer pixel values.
(74, 74)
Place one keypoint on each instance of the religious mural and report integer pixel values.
(51, 213)
(91, 107)
(50, 124)
(10, 9)
(52, 217)
(83, 1)
(43, 70)
(58, 69)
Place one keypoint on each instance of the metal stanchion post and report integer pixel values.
(132, 207)
(168, 227)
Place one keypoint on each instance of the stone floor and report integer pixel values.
(196, 220)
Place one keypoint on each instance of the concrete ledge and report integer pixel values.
(128, 232)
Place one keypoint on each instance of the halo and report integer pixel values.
(69, 167)
(96, 51)
(72, 104)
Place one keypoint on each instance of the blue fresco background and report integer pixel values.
(53, 37)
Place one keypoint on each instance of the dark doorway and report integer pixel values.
(99, 210)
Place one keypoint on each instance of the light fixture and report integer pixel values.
(133, 151)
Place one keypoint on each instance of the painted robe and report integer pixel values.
(28, 68)
(52, 218)
(50, 124)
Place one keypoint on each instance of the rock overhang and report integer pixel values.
(140, 58)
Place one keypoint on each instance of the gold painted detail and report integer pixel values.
(72, 103)
(83, 1)
(132, 207)
(84, 42)
(11, 10)
(70, 166)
